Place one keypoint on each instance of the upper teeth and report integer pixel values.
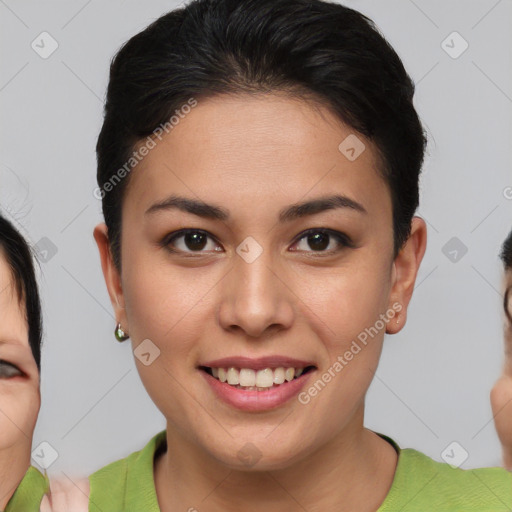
(261, 378)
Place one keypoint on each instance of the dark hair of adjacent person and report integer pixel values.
(309, 49)
(506, 252)
(506, 258)
(18, 256)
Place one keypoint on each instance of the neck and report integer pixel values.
(352, 471)
(12, 470)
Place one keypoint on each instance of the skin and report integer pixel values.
(501, 393)
(66, 495)
(19, 388)
(255, 155)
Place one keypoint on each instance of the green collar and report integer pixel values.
(29, 493)
(420, 483)
(140, 482)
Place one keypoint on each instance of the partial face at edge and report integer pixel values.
(198, 300)
(19, 376)
(501, 393)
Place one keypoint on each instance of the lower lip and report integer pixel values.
(256, 400)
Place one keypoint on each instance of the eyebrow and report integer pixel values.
(292, 212)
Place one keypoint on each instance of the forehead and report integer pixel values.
(7, 285)
(264, 148)
(13, 325)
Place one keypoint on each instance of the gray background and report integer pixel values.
(434, 379)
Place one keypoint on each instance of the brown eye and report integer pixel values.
(8, 370)
(190, 241)
(322, 241)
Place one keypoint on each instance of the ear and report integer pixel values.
(111, 275)
(405, 270)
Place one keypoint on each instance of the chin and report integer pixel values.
(256, 453)
(254, 461)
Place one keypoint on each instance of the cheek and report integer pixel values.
(345, 312)
(166, 302)
(168, 307)
(345, 302)
(348, 317)
(19, 408)
(149, 294)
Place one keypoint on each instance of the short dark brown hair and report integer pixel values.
(304, 47)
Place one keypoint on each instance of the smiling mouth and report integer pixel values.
(256, 380)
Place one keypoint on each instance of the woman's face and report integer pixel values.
(254, 284)
(19, 377)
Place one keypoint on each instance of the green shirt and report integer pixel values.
(420, 484)
(29, 493)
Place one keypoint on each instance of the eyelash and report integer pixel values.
(10, 367)
(342, 239)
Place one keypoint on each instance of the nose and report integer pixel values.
(256, 297)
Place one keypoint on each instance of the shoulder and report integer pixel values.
(423, 482)
(110, 485)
